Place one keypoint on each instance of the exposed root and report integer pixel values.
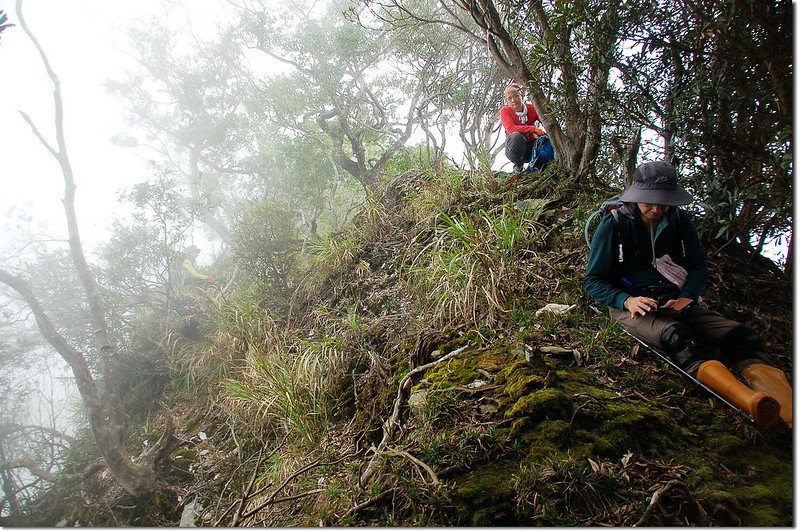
(435, 482)
(655, 501)
(369, 502)
(391, 425)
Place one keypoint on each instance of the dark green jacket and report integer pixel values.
(611, 282)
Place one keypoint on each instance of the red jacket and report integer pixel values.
(513, 124)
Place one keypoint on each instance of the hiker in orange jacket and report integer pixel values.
(646, 264)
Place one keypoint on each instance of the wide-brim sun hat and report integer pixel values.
(656, 183)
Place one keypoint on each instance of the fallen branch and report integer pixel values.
(285, 499)
(272, 499)
(246, 495)
(238, 515)
(435, 482)
(464, 389)
(393, 423)
(369, 502)
(655, 500)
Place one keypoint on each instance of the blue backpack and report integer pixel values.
(542, 153)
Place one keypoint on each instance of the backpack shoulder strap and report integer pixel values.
(675, 217)
(621, 232)
(624, 220)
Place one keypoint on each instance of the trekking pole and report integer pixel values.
(680, 370)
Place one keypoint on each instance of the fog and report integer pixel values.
(215, 149)
(86, 44)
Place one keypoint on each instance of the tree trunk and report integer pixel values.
(103, 404)
(135, 479)
(788, 267)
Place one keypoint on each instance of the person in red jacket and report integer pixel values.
(518, 119)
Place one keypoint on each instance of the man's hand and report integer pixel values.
(640, 305)
(210, 278)
(537, 132)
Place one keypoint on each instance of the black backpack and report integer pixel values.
(611, 206)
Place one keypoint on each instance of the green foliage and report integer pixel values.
(266, 240)
(333, 253)
(720, 109)
(290, 385)
(347, 93)
(213, 335)
(564, 423)
(3, 22)
(328, 256)
(469, 271)
(445, 186)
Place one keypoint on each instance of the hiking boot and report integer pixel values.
(772, 381)
(764, 410)
(518, 168)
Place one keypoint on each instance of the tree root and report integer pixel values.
(369, 502)
(391, 425)
(273, 498)
(167, 443)
(435, 482)
(655, 501)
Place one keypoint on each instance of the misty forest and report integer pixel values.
(391, 329)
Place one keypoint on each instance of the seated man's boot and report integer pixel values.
(764, 410)
(773, 382)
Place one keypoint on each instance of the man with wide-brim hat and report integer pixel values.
(656, 183)
(647, 265)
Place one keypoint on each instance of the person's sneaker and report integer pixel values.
(517, 168)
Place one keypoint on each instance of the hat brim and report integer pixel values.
(670, 198)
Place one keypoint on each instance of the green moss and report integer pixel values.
(548, 438)
(484, 496)
(633, 427)
(458, 371)
(517, 380)
(494, 360)
(668, 386)
(463, 369)
(550, 403)
(726, 444)
(185, 454)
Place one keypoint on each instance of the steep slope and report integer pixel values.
(535, 419)
(416, 381)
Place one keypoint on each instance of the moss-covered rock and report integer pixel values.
(484, 497)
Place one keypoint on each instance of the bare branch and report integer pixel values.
(29, 464)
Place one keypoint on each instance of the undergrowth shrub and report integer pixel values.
(220, 331)
(443, 188)
(470, 268)
(329, 256)
(266, 241)
(291, 385)
(567, 486)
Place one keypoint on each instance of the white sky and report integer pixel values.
(85, 43)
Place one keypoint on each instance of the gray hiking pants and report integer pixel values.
(695, 335)
(518, 148)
